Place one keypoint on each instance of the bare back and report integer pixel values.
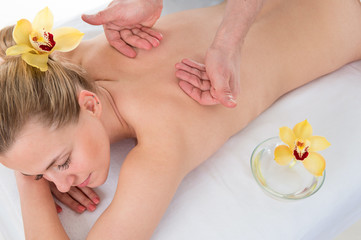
(290, 44)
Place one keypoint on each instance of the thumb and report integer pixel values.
(93, 19)
(223, 93)
(99, 18)
(226, 98)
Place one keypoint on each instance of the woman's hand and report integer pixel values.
(77, 199)
(127, 23)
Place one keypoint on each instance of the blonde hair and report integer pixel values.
(27, 93)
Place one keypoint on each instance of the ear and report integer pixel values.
(89, 101)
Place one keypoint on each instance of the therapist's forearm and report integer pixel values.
(38, 210)
(238, 18)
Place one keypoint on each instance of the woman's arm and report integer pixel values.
(38, 209)
(147, 182)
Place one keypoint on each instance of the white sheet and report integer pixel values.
(221, 200)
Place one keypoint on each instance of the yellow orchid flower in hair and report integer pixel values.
(302, 146)
(36, 40)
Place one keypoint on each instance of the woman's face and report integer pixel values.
(75, 155)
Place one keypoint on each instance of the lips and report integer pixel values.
(86, 182)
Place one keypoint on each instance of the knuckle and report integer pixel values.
(91, 194)
(84, 199)
(73, 190)
(60, 196)
(74, 205)
(100, 15)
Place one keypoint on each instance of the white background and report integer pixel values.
(14, 10)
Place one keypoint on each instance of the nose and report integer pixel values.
(62, 182)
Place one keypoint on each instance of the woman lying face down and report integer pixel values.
(51, 127)
(57, 125)
(76, 154)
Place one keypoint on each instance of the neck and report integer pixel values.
(115, 125)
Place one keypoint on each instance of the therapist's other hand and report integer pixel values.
(126, 23)
(218, 81)
(222, 64)
(78, 199)
(195, 82)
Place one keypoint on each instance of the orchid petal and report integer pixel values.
(21, 32)
(66, 39)
(287, 136)
(36, 60)
(18, 49)
(283, 155)
(43, 20)
(303, 130)
(318, 143)
(315, 163)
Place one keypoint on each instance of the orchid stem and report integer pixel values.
(292, 163)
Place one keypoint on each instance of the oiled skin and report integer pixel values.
(291, 43)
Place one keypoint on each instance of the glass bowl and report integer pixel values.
(289, 182)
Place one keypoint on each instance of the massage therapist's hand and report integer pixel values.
(195, 82)
(223, 57)
(222, 71)
(223, 68)
(215, 82)
(127, 23)
(78, 199)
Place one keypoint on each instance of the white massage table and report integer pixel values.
(220, 200)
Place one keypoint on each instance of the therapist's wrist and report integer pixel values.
(155, 4)
(227, 42)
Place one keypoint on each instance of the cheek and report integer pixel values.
(92, 152)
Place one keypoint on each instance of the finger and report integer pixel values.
(194, 64)
(192, 70)
(58, 208)
(91, 194)
(222, 90)
(152, 33)
(235, 85)
(67, 200)
(107, 15)
(123, 48)
(82, 198)
(116, 41)
(144, 35)
(134, 40)
(93, 19)
(226, 98)
(203, 85)
(203, 97)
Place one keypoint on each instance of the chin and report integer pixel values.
(100, 181)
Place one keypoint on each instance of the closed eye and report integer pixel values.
(65, 165)
(38, 177)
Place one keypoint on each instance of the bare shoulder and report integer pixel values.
(147, 182)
